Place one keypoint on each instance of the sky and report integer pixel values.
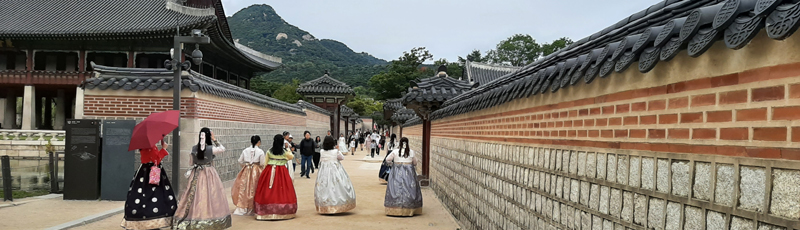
(447, 28)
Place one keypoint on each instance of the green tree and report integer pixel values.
(556, 45)
(517, 50)
(454, 69)
(288, 92)
(365, 106)
(259, 85)
(396, 79)
(474, 56)
(521, 49)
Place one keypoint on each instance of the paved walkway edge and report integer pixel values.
(30, 199)
(88, 219)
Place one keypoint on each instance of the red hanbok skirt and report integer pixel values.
(278, 202)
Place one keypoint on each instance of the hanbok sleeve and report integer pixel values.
(161, 154)
(289, 155)
(241, 157)
(339, 156)
(390, 158)
(218, 148)
(413, 157)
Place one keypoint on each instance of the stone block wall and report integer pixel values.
(508, 186)
(711, 142)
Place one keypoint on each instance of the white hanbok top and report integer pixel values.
(252, 155)
(330, 155)
(396, 157)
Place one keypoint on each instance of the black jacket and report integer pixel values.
(307, 147)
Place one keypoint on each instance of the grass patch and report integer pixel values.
(19, 194)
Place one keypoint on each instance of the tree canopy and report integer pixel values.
(396, 79)
(521, 49)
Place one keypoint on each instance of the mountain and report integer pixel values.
(304, 56)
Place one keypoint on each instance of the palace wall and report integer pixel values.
(697, 143)
(232, 121)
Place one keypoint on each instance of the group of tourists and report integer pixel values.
(264, 187)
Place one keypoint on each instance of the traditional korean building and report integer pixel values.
(426, 96)
(46, 48)
(330, 94)
(482, 73)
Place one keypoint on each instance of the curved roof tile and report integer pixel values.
(325, 85)
(141, 79)
(649, 36)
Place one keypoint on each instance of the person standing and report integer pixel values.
(203, 202)
(403, 193)
(361, 140)
(342, 144)
(334, 192)
(367, 142)
(382, 142)
(287, 144)
(275, 196)
(317, 143)
(307, 147)
(244, 187)
(153, 190)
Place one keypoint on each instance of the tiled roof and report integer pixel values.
(133, 19)
(345, 111)
(393, 104)
(116, 78)
(325, 85)
(435, 89)
(403, 115)
(413, 121)
(655, 34)
(97, 18)
(312, 107)
(482, 73)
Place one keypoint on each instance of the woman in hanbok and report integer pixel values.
(151, 201)
(275, 197)
(342, 144)
(367, 142)
(203, 204)
(244, 187)
(403, 194)
(384, 172)
(333, 193)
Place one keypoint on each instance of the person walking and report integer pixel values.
(317, 143)
(403, 194)
(203, 202)
(287, 144)
(352, 146)
(333, 192)
(275, 197)
(307, 147)
(244, 187)
(151, 201)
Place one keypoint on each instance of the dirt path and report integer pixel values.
(369, 213)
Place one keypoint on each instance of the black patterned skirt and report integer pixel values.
(149, 206)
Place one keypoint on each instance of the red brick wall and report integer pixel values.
(119, 106)
(755, 113)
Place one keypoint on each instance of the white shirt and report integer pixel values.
(252, 155)
(397, 158)
(376, 137)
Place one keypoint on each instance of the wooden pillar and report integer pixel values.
(131, 58)
(29, 67)
(336, 121)
(48, 113)
(426, 148)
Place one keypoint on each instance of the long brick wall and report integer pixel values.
(698, 143)
(233, 122)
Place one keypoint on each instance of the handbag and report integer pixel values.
(155, 175)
